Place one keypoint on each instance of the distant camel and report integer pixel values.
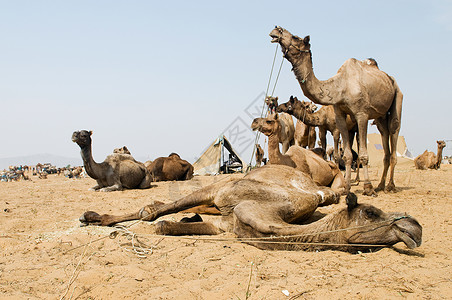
(322, 172)
(286, 138)
(116, 172)
(428, 160)
(170, 168)
(259, 155)
(122, 150)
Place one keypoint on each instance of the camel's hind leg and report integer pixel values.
(178, 228)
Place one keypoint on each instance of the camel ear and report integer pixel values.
(275, 116)
(291, 99)
(352, 201)
(306, 40)
(90, 132)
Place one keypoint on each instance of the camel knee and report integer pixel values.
(363, 159)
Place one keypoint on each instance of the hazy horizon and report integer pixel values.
(162, 77)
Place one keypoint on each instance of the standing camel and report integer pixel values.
(428, 160)
(359, 89)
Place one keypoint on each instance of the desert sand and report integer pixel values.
(45, 254)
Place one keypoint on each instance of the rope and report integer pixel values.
(258, 133)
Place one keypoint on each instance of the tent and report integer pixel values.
(376, 152)
(212, 161)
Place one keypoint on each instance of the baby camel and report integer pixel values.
(322, 172)
(265, 209)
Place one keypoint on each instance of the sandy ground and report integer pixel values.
(45, 254)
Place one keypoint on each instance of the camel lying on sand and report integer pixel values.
(322, 172)
(428, 160)
(122, 150)
(116, 172)
(170, 168)
(265, 209)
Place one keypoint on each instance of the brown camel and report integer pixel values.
(122, 150)
(265, 209)
(286, 138)
(305, 135)
(259, 155)
(170, 168)
(359, 89)
(428, 160)
(322, 172)
(324, 119)
(116, 172)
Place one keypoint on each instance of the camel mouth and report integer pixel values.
(275, 38)
(408, 239)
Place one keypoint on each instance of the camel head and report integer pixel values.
(370, 225)
(268, 126)
(272, 103)
(294, 104)
(122, 150)
(441, 144)
(82, 137)
(290, 44)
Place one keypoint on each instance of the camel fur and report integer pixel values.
(359, 89)
(322, 172)
(286, 138)
(170, 168)
(265, 209)
(428, 160)
(116, 172)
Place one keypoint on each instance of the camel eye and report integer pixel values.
(371, 214)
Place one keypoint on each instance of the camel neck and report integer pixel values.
(88, 161)
(439, 155)
(274, 155)
(311, 119)
(317, 91)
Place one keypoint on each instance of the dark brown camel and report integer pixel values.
(170, 168)
(268, 204)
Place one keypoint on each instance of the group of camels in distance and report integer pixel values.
(272, 206)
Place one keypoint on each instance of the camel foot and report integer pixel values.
(149, 212)
(380, 187)
(90, 217)
(369, 190)
(390, 188)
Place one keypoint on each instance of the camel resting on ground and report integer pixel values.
(116, 172)
(170, 168)
(322, 172)
(265, 209)
(122, 150)
(428, 160)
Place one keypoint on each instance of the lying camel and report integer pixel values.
(116, 172)
(265, 209)
(122, 150)
(170, 168)
(322, 172)
(428, 160)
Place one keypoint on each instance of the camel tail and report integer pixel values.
(395, 111)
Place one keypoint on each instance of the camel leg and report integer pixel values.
(393, 161)
(336, 137)
(348, 157)
(384, 131)
(157, 209)
(115, 187)
(178, 228)
(362, 121)
(352, 134)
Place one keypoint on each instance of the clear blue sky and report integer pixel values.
(170, 76)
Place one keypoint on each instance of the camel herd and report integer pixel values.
(271, 206)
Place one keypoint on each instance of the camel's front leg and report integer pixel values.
(115, 187)
(362, 120)
(336, 138)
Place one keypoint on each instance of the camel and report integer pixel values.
(428, 160)
(359, 89)
(170, 168)
(322, 172)
(122, 150)
(305, 135)
(265, 209)
(286, 138)
(116, 172)
(324, 119)
(259, 155)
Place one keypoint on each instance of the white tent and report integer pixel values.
(212, 161)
